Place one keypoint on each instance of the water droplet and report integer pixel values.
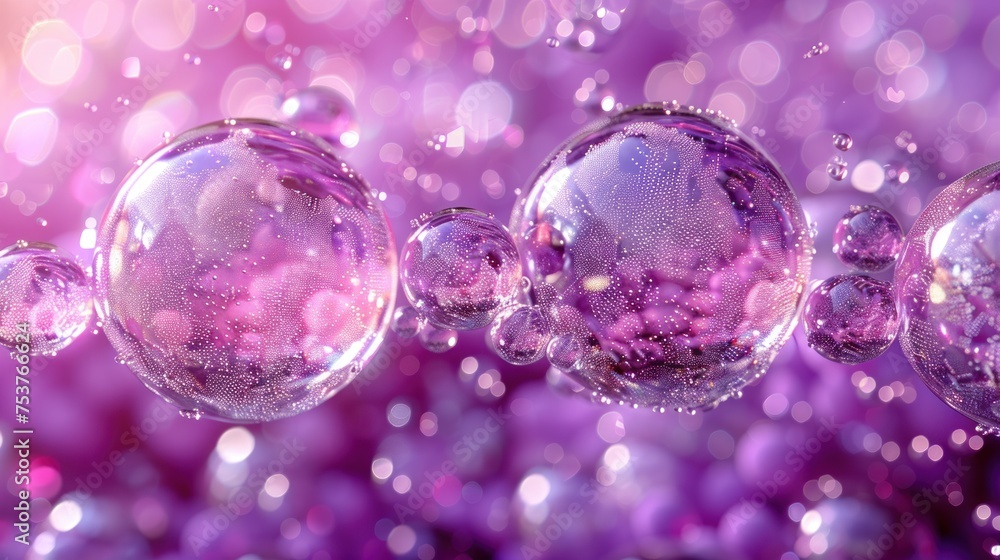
(842, 141)
(817, 49)
(837, 168)
(552, 42)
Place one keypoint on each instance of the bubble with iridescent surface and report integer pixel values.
(678, 251)
(851, 318)
(948, 278)
(244, 272)
(867, 239)
(45, 289)
(460, 268)
(324, 112)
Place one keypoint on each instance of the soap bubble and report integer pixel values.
(437, 339)
(678, 251)
(324, 112)
(460, 268)
(851, 318)
(244, 272)
(407, 322)
(519, 334)
(867, 239)
(842, 141)
(948, 277)
(45, 295)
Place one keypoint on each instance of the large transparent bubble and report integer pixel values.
(244, 272)
(677, 251)
(948, 280)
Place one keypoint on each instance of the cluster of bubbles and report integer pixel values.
(244, 272)
(948, 277)
(852, 318)
(665, 257)
(837, 167)
(46, 300)
(460, 270)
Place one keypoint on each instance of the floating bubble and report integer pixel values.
(851, 318)
(867, 239)
(678, 251)
(519, 334)
(564, 352)
(407, 322)
(45, 298)
(245, 272)
(837, 168)
(323, 112)
(842, 141)
(947, 277)
(437, 339)
(460, 268)
(552, 42)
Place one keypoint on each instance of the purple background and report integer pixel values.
(487, 461)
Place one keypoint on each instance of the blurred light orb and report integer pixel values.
(520, 334)
(47, 289)
(244, 272)
(867, 239)
(324, 112)
(460, 268)
(851, 318)
(948, 278)
(678, 251)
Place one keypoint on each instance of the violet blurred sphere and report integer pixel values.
(45, 289)
(679, 246)
(324, 112)
(851, 318)
(460, 268)
(244, 272)
(948, 279)
(867, 239)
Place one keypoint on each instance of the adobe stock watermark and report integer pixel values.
(387, 355)
(47, 9)
(242, 500)
(922, 502)
(922, 160)
(802, 109)
(710, 31)
(795, 460)
(899, 15)
(557, 524)
(130, 441)
(406, 168)
(463, 451)
(89, 138)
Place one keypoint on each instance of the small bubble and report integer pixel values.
(842, 141)
(192, 59)
(837, 168)
(552, 42)
(213, 8)
(42, 222)
(817, 49)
